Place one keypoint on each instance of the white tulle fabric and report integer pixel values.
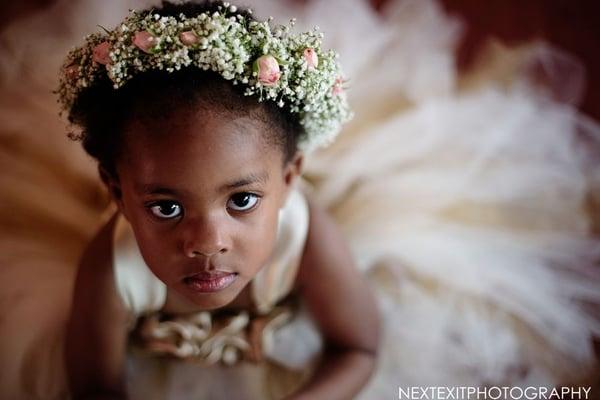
(463, 198)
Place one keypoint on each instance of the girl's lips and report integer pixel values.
(207, 282)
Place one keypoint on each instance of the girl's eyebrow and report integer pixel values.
(262, 177)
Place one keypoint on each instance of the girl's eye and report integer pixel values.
(166, 209)
(242, 201)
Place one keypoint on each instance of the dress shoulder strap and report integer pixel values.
(276, 279)
(141, 291)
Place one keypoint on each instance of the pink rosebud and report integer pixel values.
(188, 38)
(311, 58)
(337, 88)
(268, 70)
(101, 53)
(144, 41)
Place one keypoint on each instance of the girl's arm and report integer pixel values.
(343, 306)
(97, 330)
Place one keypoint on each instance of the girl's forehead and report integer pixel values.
(196, 131)
(206, 149)
(194, 124)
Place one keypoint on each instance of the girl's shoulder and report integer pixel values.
(112, 267)
(139, 289)
(96, 260)
(96, 270)
(98, 320)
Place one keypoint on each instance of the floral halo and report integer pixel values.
(271, 62)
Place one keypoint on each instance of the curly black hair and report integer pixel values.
(102, 112)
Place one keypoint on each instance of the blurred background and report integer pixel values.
(571, 25)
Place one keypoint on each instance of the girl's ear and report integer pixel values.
(113, 186)
(292, 170)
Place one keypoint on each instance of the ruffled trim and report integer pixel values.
(211, 339)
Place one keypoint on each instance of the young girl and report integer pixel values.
(195, 114)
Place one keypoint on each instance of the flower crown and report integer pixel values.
(271, 62)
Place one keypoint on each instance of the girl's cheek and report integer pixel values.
(158, 248)
(265, 242)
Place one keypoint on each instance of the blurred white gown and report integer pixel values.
(464, 199)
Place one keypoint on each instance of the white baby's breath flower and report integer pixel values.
(290, 70)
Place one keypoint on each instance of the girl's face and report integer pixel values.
(203, 196)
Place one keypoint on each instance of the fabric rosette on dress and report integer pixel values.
(211, 339)
(251, 348)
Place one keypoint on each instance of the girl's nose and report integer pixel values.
(205, 238)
